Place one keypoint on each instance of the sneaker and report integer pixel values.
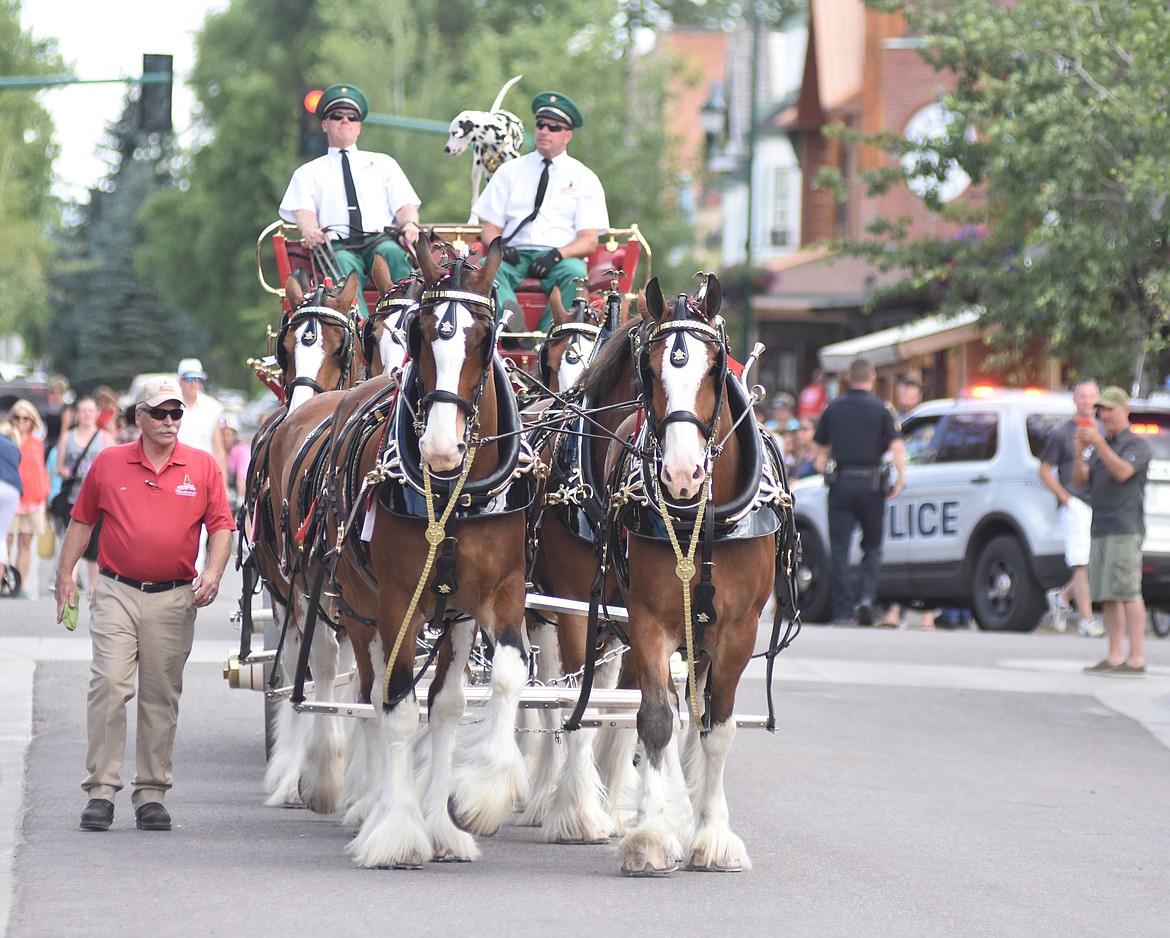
(865, 612)
(1090, 628)
(1101, 667)
(1057, 610)
(1125, 670)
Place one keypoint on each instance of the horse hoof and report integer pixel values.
(449, 857)
(698, 863)
(640, 865)
(465, 825)
(408, 863)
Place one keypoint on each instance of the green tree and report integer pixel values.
(423, 58)
(111, 324)
(1066, 105)
(26, 153)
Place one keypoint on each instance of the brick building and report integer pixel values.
(863, 69)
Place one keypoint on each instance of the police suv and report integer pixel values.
(974, 526)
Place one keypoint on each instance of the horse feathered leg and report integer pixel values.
(323, 759)
(654, 845)
(713, 845)
(283, 772)
(490, 778)
(545, 755)
(447, 704)
(393, 834)
(578, 812)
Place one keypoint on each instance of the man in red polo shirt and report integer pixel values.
(153, 497)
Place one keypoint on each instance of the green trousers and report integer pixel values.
(562, 275)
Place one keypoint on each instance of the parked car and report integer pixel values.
(974, 526)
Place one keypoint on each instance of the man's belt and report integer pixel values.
(857, 472)
(144, 587)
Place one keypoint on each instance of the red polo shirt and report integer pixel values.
(151, 521)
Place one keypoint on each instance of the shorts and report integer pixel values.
(32, 523)
(1077, 520)
(1115, 568)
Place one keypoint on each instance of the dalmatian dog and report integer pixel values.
(496, 136)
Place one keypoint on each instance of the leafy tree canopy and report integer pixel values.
(26, 154)
(420, 58)
(1059, 117)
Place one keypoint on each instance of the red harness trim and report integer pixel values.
(303, 530)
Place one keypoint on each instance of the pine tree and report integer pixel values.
(111, 323)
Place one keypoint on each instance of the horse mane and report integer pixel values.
(609, 362)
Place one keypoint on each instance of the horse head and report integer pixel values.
(452, 342)
(570, 343)
(317, 340)
(384, 332)
(682, 368)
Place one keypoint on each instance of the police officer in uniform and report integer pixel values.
(856, 430)
(548, 206)
(350, 196)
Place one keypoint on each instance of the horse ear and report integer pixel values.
(655, 302)
(559, 314)
(713, 297)
(293, 292)
(348, 292)
(491, 262)
(426, 261)
(381, 275)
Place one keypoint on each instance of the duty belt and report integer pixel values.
(857, 472)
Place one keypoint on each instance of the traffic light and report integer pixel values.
(313, 141)
(154, 104)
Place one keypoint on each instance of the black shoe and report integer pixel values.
(152, 816)
(98, 815)
(865, 612)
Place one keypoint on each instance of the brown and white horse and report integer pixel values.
(447, 543)
(571, 802)
(316, 349)
(701, 522)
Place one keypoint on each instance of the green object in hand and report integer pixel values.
(69, 616)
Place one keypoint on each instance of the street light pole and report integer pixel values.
(749, 325)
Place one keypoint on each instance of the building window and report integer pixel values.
(782, 233)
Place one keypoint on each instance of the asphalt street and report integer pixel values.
(920, 783)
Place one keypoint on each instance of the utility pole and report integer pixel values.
(749, 324)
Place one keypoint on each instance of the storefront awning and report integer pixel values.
(901, 343)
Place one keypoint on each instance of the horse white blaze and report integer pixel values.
(441, 442)
(683, 447)
(570, 372)
(391, 349)
(307, 362)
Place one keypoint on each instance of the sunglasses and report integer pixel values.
(161, 413)
(21, 417)
(551, 128)
(350, 116)
(192, 378)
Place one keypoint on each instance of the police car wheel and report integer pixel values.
(1005, 596)
(812, 577)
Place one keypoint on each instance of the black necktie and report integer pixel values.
(541, 188)
(355, 212)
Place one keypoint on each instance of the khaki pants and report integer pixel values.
(140, 639)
